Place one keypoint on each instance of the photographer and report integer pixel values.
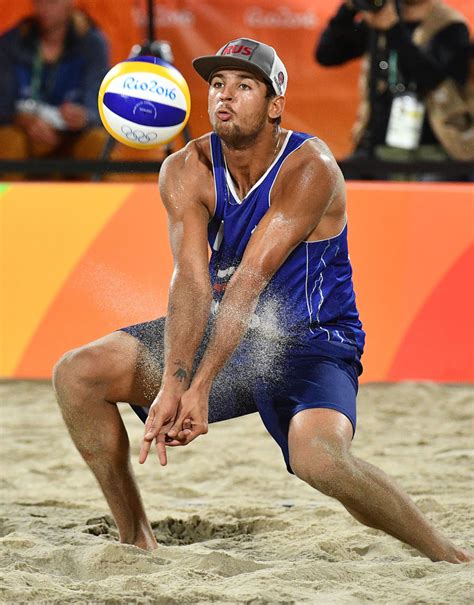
(414, 73)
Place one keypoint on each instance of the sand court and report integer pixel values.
(233, 525)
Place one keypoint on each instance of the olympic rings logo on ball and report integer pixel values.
(138, 135)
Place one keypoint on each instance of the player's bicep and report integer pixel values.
(300, 203)
(187, 216)
(188, 235)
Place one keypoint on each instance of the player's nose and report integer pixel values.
(225, 93)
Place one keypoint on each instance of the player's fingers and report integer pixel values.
(150, 423)
(154, 424)
(192, 436)
(161, 449)
(196, 431)
(152, 427)
(180, 439)
(183, 432)
(144, 450)
(177, 426)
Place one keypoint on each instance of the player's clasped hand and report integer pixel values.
(174, 421)
(192, 419)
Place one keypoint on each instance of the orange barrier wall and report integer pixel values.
(320, 100)
(80, 260)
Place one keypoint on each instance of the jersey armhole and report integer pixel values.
(290, 132)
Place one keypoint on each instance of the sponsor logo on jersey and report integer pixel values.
(224, 276)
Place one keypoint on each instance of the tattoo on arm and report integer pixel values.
(181, 372)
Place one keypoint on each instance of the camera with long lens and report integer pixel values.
(369, 5)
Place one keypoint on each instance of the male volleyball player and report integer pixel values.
(270, 324)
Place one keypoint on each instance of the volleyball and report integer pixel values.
(144, 102)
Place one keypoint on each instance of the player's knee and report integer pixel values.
(79, 369)
(62, 372)
(323, 467)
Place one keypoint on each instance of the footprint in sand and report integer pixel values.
(221, 564)
(417, 572)
(171, 531)
(6, 527)
(102, 526)
(175, 532)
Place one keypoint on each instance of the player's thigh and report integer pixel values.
(324, 410)
(313, 428)
(232, 393)
(116, 367)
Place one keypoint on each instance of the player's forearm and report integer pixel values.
(188, 313)
(232, 321)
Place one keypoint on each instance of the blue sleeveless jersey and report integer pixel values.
(310, 300)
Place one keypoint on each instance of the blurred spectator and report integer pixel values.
(52, 66)
(413, 80)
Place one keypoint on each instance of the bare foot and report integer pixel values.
(146, 542)
(144, 539)
(461, 555)
(454, 554)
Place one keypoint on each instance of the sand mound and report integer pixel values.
(233, 526)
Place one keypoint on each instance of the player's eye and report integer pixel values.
(244, 86)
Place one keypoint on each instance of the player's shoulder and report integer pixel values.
(313, 159)
(186, 175)
(315, 152)
(194, 158)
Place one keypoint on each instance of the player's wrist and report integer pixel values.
(202, 383)
(177, 373)
(170, 385)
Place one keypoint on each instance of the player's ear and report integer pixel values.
(276, 107)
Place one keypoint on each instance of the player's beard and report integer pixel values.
(236, 136)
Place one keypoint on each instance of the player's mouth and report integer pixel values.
(224, 114)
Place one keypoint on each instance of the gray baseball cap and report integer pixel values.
(250, 55)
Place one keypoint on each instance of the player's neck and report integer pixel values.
(248, 164)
